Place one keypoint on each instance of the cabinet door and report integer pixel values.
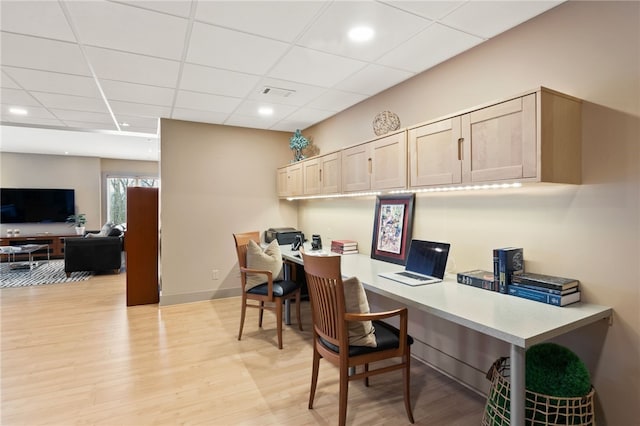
(282, 182)
(435, 154)
(311, 170)
(330, 176)
(500, 141)
(389, 162)
(294, 180)
(356, 168)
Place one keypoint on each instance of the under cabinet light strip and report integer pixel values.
(414, 191)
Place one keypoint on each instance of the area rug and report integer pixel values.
(44, 273)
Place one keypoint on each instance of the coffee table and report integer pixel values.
(28, 249)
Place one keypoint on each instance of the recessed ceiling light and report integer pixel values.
(18, 111)
(361, 34)
(265, 111)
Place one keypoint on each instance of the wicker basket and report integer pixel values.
(541, 410)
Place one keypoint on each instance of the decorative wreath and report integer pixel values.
(385, 122)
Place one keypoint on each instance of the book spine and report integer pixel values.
(539, 296)
(475, 282)
(502, 271)
(544, 289)
(496, 270)
(507, 266)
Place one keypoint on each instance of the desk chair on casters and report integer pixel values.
(331, 335)
(271, 292)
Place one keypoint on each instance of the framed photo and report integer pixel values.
(392, 225)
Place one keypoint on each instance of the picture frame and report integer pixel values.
(392, 227)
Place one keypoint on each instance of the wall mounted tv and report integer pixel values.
(30, 205)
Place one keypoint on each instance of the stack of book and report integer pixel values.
(548, 289)
(344, 246)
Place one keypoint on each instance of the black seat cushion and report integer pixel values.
(387, 337)
(280, 288)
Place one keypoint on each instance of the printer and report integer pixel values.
(283, 235)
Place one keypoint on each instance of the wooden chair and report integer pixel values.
(272, 292)
(331, 339)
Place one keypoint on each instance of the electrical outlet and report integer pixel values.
(214, 274)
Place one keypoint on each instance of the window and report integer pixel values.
(117, 194)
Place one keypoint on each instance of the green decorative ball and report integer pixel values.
(554, 370)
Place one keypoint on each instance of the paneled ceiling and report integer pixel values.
(117, 66)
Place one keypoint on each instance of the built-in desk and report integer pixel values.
(520, 322)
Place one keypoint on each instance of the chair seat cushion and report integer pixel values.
(280, 288)
(387, 337)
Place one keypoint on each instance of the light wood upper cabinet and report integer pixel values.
(532, 138)
(377, 165)
(290, 180)
(322, 174)
(435, 153)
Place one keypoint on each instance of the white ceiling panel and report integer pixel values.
(132, 68)
(198, 78)
(210, 61)
(39, 18)
(78, 103)
(373, 79)
(225, 49)
(392, 26)
(206, 102)
(44, 54)
(429, 48)
(280, 20)
(316, 68)
(116, 26)
(53, 82)
(138, 93)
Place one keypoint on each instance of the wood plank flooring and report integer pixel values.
(74, 354)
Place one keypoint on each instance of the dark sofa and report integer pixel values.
(92, 254)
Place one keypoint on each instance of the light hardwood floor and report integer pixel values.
(74, 354)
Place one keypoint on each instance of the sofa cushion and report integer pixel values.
(269, 259)
(361, 333)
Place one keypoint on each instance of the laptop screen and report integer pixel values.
(428, 258)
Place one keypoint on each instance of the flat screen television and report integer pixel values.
(31, 205)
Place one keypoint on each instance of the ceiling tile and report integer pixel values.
(78, 103)
(280, 20)
(133, 68)
(373, 79)
(489, 18)
(250, 108)
(92, 117)
(143, 110)
(206, 102)
(391, 25)
(250, 121)
(43, 54)
(89, 125)
(233, 50)
(436, 44)
(172, 7)
(316, 68)
(141, 93)
(300, 95)
(433, 10)
(39, 18)
(7, 82)
(198, 78)
(117, 26)
(335, 100)
(17, 97)
(309, 115)
(53, 82)
(292, 125)
(199, 115)
(34, 112)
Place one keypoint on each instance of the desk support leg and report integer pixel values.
(287, 303)
(517, 385)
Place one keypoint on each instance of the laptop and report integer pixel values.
(426, 263)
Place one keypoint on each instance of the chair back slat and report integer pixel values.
(324, 282)
(242, 241)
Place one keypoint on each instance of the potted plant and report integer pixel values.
(297, 143)
(77, 220)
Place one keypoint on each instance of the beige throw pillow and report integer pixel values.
(361, 333)
(270, 259)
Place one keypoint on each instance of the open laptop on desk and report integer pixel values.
(426, 263)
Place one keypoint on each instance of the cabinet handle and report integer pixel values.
(370, 166)
(320, 173)
(460, 141)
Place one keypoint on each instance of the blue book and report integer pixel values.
(510, 262)
(543, 289)
(544, 297)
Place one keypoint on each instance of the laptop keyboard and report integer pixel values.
(414, 276)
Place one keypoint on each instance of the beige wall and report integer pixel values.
(590, 231)
(216, 181)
